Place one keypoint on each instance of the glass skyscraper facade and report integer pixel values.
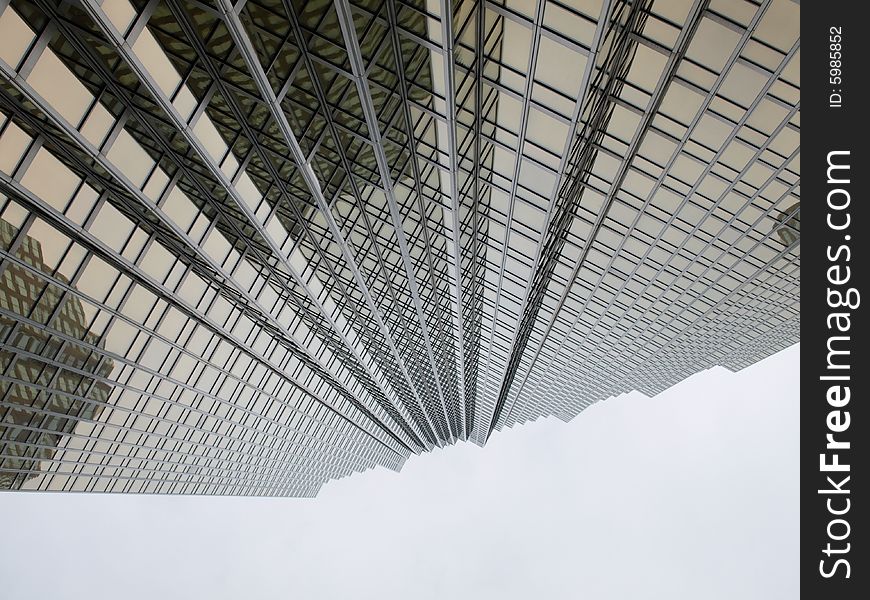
(252, 246)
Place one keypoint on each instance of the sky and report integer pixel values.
(691, 494)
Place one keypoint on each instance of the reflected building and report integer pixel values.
(319, 236)
(50, 381)
(789, 224)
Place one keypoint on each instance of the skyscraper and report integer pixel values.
(313, 237)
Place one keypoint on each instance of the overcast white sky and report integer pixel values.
(692, 494)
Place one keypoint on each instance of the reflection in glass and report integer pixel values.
(49, 382)
(789, 224)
